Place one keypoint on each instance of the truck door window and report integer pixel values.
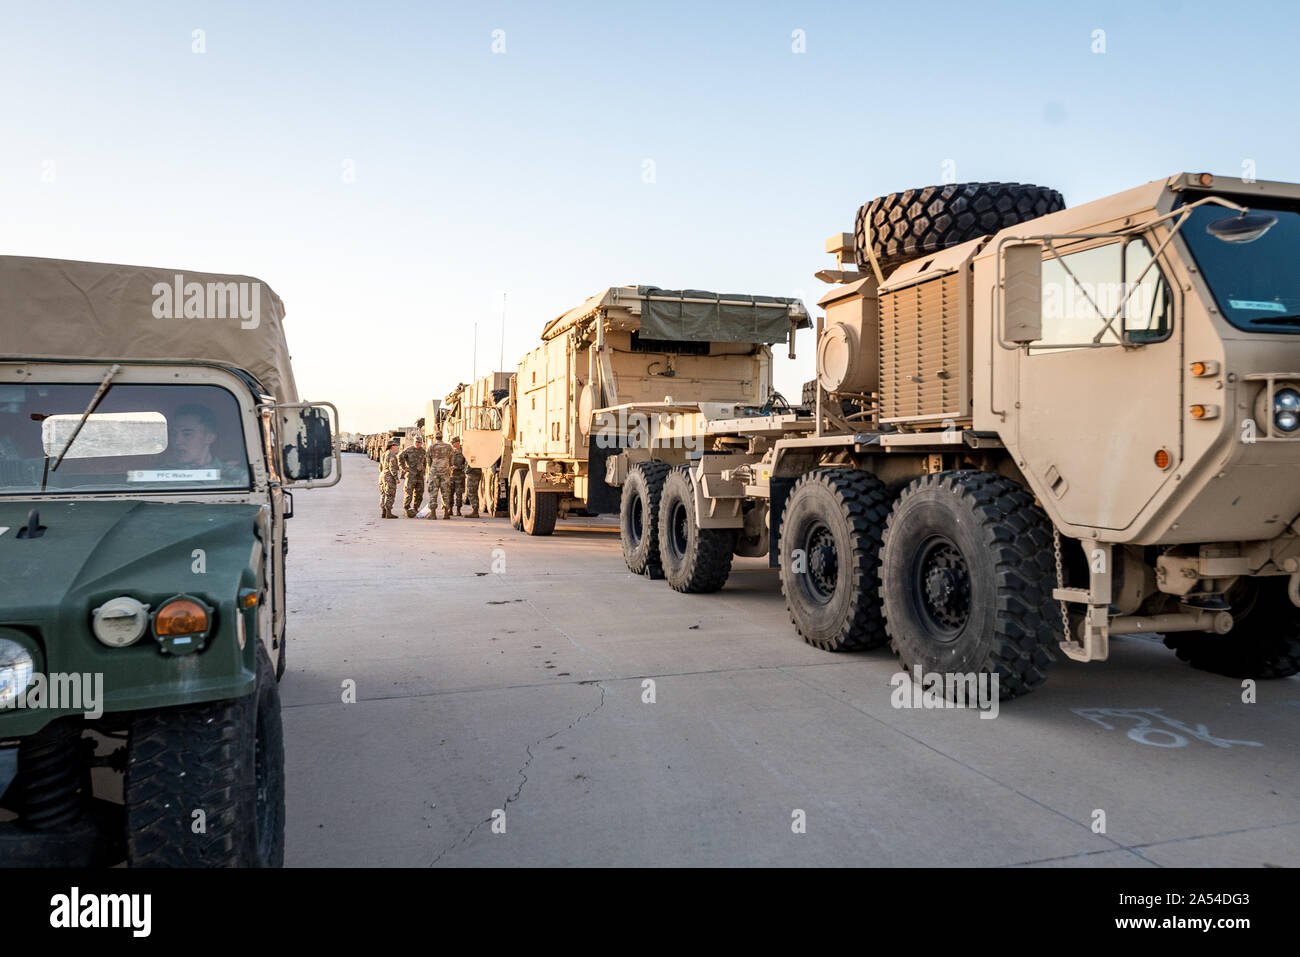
(1093, 296)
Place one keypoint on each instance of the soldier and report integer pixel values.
(472, 478)
(439, 458)
(413, 462)
(453, 489)
(389, 468)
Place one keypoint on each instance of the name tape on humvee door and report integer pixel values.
(173, 475)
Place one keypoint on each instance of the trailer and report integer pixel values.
(625, 346)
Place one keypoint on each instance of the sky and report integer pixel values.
(398, 172)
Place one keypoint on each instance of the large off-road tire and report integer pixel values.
(966, 576)
(224, 758)
(694, 559)
(1265, 637)
(515, 503)
(917, 222)
(829, 553)
(540, 509)
(638, 515)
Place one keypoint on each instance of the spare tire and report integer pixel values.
(917, 222)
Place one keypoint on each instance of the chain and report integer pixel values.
(1060, 582)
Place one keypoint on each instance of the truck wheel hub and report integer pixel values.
(945, 585)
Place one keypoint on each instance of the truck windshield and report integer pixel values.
(141, 439)
(1256, 285)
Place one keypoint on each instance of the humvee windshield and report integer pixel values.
(1255, 284)
(140, 438)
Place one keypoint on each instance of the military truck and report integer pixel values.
(1035, 428)
(478, 413)
(629, 348)
(150, 436)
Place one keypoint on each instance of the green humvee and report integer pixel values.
(150, 429)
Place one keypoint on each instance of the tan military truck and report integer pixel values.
(478, 413)
(1035, 428)
(579, 397)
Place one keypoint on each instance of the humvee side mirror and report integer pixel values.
(305, 442)
(1022, 292)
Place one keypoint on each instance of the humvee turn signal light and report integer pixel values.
(1207, 367)
(247, 598)
(181, 625)
(1163, 459)
(180, 616)
(1200, 411)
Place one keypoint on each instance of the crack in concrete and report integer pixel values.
(522, 772)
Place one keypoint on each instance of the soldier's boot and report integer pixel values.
(410, 513)
(446, 513)
(388, 512)
(474, 514)
(433, 512)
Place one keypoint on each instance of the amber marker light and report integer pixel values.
(247, 598)
(1198, 412)
(180, 616)
(1162, 459)
(1205, 179)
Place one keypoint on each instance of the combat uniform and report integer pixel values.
(389, 471)
(412, 461)
(453, 489)
(439, 458)
(472, 478)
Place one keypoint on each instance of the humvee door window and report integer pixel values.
(1255, 283)
(140, 439)
(1094, 296)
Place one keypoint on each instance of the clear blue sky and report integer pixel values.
(478, 173)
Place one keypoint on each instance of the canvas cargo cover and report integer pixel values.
(63, 309)
(693, 314)
(701, 316)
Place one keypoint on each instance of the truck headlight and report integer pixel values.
(17, 665)
(120, 621)
(1286, 410)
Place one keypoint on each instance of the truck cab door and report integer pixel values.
(1096, 400)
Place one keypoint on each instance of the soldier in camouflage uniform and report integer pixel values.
(389, 470)
(453, 489)
(439, 458)
(472, 479)
(413, 461)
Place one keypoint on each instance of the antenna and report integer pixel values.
(501, 363)
(474, 365)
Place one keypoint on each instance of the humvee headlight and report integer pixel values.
(1286, 410)
(120, 621)
(17, 666)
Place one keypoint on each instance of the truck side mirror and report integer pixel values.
(309, 455)
(1022, 292)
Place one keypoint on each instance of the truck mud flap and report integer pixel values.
(779, 491)
(602, 498)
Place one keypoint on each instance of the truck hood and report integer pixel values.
(89, 548)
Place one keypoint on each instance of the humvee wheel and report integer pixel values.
(829, 552)
(694, 559)
(515, 504)
(540, 509)
(638, 515)
(1265, 637)
(224, 758)
(966, 578)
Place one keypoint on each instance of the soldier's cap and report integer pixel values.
(392, 442)
(456, 440)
